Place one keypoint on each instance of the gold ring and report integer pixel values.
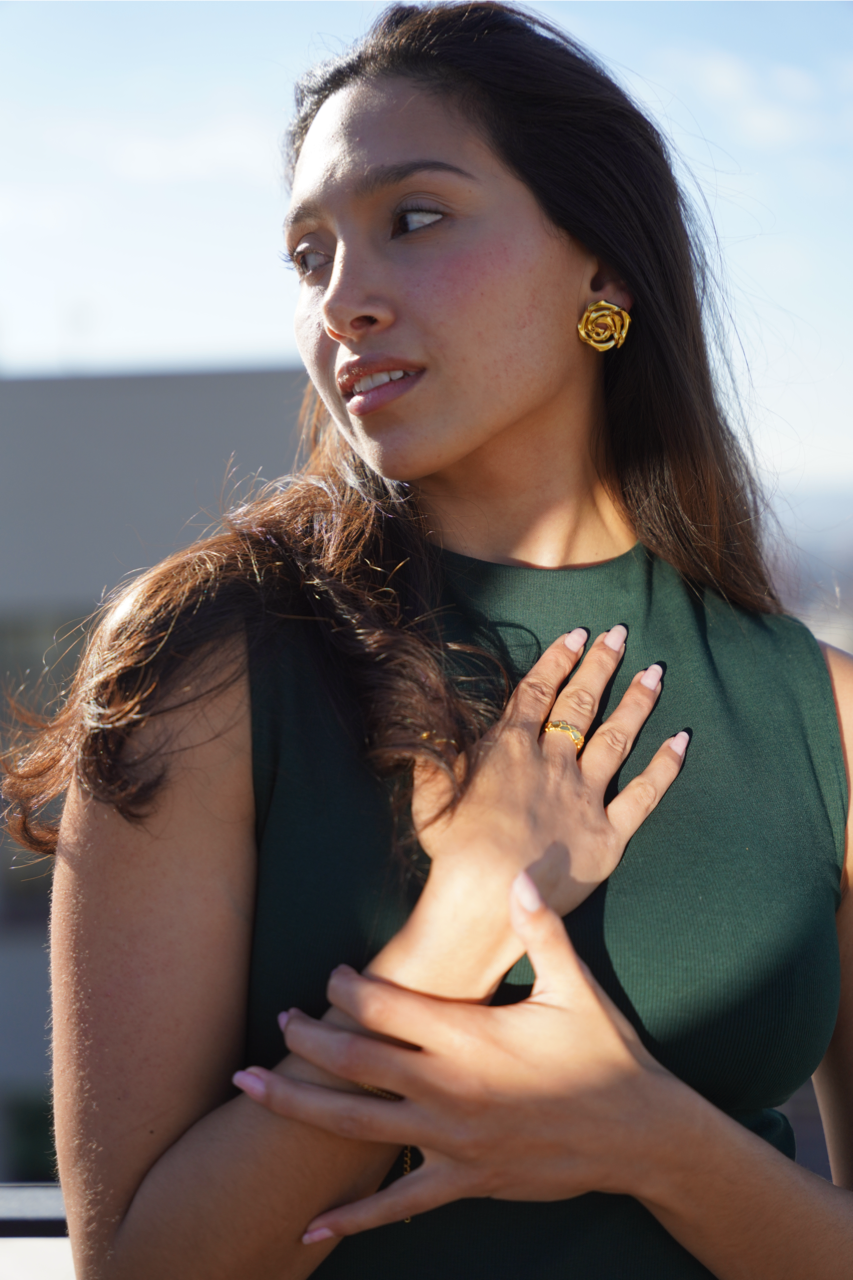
(381, 1093)
(563, 726)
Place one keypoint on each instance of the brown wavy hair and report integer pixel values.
(343, 547)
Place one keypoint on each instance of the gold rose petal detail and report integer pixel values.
(604, 325)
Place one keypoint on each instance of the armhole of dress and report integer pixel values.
(260, 707)
(827, 747)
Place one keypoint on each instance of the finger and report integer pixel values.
(395, 1012)
(351, 1056)
(579, 701)
(609, 746)
(629, 810)
(426, 1188)
(555, 962)
(349, 1115)
(532, 700)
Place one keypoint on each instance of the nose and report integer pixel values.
(354, 302)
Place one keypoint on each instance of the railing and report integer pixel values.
(31, 1209)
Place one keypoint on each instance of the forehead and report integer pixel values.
(387, 122)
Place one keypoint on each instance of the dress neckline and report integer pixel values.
(458, 562)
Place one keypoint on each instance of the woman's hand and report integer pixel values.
(532, 802)
(541, 1100)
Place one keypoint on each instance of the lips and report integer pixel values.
(371, 380)
(366, 385)
(357, 377)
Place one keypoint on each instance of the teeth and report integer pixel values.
(376, 380)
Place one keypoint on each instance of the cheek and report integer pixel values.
(501, 315)
(318, 353)
(315, 346)
(308, 334)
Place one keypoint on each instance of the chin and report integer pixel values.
(394, 460)
(396, 469)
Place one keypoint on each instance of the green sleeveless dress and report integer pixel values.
(715, 935)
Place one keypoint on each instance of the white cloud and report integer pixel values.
(234, 148)
(27, 208)
(776, 107)
(769, 110)
(795, 84)
(722, 76)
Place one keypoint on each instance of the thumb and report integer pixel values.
(543, 933)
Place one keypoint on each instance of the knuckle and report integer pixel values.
(349, 1056)
(581, 701)
(374, 1003)
(536, 689)
(615, 738)
(645, 793)
(467, 1142)
(349, 1123)
(514, 735)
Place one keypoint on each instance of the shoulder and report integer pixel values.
(840, 667)
(832, 1080)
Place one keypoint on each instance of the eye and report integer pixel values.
(305, 259)
(413, 219)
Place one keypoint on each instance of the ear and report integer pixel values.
(606, 283)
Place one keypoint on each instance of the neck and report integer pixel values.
(525, 502)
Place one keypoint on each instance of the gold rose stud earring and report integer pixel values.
(604, 325)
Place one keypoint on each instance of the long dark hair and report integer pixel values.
(341, 545)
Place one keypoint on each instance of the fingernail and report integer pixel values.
(616, 637)
(250, 1084)
(679, 743)
(283, 1019)
(576, 639)
(313, 1237)
(651, 677)
(526, 893)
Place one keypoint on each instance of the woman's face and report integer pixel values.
(438, 305)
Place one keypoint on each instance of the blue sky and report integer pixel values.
(140, 196)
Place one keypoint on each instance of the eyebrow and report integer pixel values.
(376, 179)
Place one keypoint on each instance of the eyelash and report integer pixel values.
(295, 260)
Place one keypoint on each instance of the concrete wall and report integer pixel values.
(99, 477)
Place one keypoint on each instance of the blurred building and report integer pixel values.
(100, 477)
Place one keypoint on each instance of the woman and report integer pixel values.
(488, 491)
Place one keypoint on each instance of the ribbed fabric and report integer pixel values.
(715, 935)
